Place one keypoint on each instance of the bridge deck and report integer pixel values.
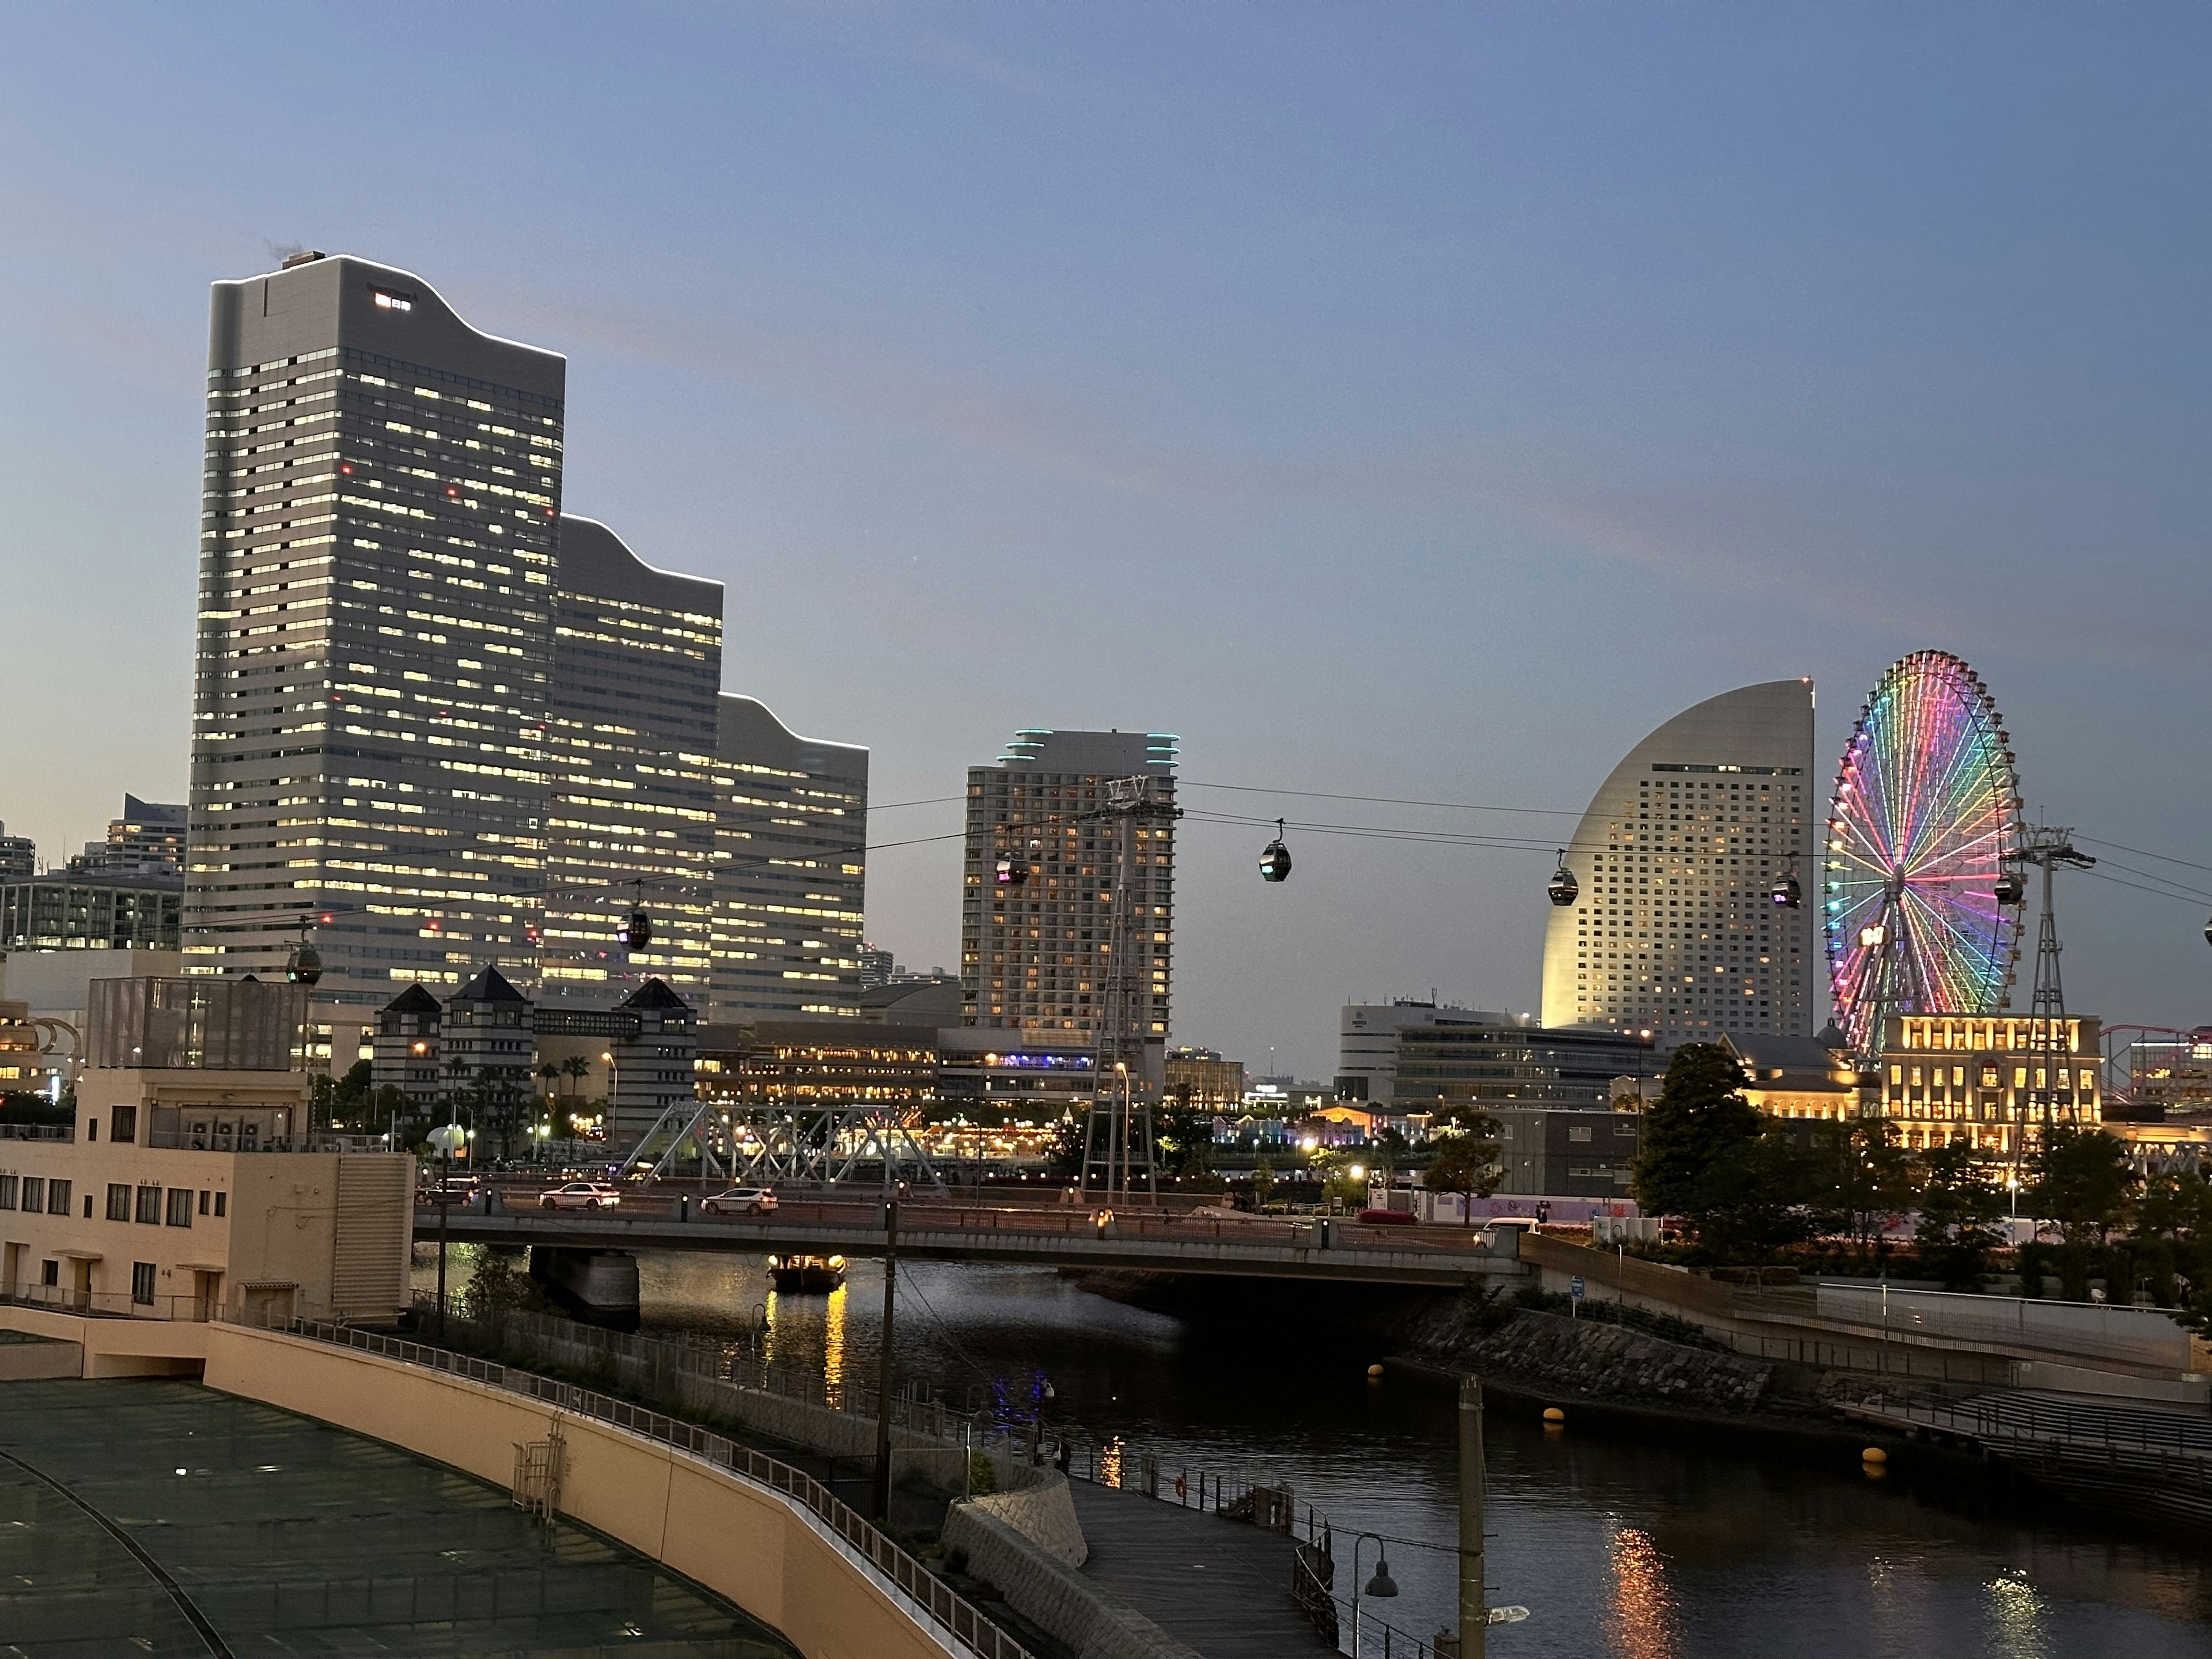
(1224, 1587)
(1046, 1237)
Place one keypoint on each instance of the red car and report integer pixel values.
(1387, 1218)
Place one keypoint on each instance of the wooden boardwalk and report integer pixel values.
(1223, 1586)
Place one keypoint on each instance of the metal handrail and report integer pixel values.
(970, 1629)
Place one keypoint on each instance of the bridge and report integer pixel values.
(932, 1229)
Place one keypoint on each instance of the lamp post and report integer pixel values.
(614, 1088)
(1380, 1586)
(444, 1139)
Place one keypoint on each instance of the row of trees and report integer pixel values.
(494, 1101)
(1747, 1186)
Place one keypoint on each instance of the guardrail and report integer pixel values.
(969, 1630)
(105, 1304)
(38, 1131)
(2022, 1420)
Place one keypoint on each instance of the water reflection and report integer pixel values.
(1642, 1619)
(1619, 1548)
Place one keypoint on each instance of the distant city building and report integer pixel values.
(379, 548)
(1985, 1079)
(2168, 1075)
(147, 836)
(1040, 1076)
(1199, 1076)
(1075, 813)
(1674, 930)
(1415, 1057)
(487, 1043)
(100, 910)
(19, 855)
(630, 739)
(790, 888)
(926, 1002)
(1811, 1080)
(877, 967)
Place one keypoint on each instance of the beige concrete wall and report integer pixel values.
(280, 1224)
(117, 1347)
(760, 1550)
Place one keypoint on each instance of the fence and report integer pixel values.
(2136, 1336)
(105, 1304)
(970, 1631)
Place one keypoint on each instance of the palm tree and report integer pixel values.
(549, 1074)
(576, 1068)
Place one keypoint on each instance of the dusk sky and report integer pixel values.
(1392, 400)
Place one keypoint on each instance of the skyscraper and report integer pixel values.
(1086, 819)
(1674, 930)
(631, 740)
(791, 831)
(377, 563)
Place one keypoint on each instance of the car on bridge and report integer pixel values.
(740, 1200)
(581, 1195)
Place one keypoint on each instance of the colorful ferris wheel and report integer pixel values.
(1921, 886)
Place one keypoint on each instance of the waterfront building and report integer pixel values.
(1416, 1056)
(1674, 929)
(139, 910)
(191, 1179)
(790, 884)
(630, 741)
(149, 835)
(805, 1063)
(1036, 1076)
(1985, 1079)
(1199, 1076)
(19, 855)
(1086, 819)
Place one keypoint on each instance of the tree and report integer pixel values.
(1065, 1157)
(1867, 1178)
(1184, 1134)
(1466, 1164)
(2080, 1178)
(1263, 1183)
(1756, 1197)
(1699, 1118)
(1957, 1203)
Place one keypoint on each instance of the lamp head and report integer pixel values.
(1382, 1584)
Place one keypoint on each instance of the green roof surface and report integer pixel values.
(287, 1536)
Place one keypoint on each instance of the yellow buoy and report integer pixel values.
(1375, 1370)
(1875, 1454)
(1554, 1414)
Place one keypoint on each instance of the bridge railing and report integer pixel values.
(970, 1631)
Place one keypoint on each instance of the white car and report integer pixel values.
(740, 1200)
(581, 1195)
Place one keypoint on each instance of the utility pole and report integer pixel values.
(884, 1365)
(1473, 1616)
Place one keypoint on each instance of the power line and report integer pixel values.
(894, 806)
(2144, 853)
(1379, 800)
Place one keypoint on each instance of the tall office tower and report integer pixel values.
(791, 831)
(377, 562)
(629, 743)
(1086, 820)
(1674, 930)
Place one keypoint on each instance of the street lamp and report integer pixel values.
(1380, 1586)
(445, 1139)
(614, 1088)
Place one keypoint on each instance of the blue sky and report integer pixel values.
(1415, 401)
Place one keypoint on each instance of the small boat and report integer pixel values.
(807, 1272)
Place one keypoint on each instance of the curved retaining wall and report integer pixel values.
(761, 1550)
(1040, 1583)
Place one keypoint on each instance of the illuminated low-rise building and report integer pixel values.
(1981, 1080)
(1199, 1076)
(798, 1063)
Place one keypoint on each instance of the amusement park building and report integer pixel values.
(1673, 931)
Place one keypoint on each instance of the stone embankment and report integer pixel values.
(1594, 1359)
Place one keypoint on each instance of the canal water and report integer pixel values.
(1620, 1549)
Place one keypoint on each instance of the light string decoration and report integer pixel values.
(1925, 818)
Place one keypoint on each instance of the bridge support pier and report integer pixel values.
(596, 1286)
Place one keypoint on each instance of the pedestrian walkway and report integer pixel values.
(1222, 1587)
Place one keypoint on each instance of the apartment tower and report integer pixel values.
(1674, 930)
(1086, 820)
